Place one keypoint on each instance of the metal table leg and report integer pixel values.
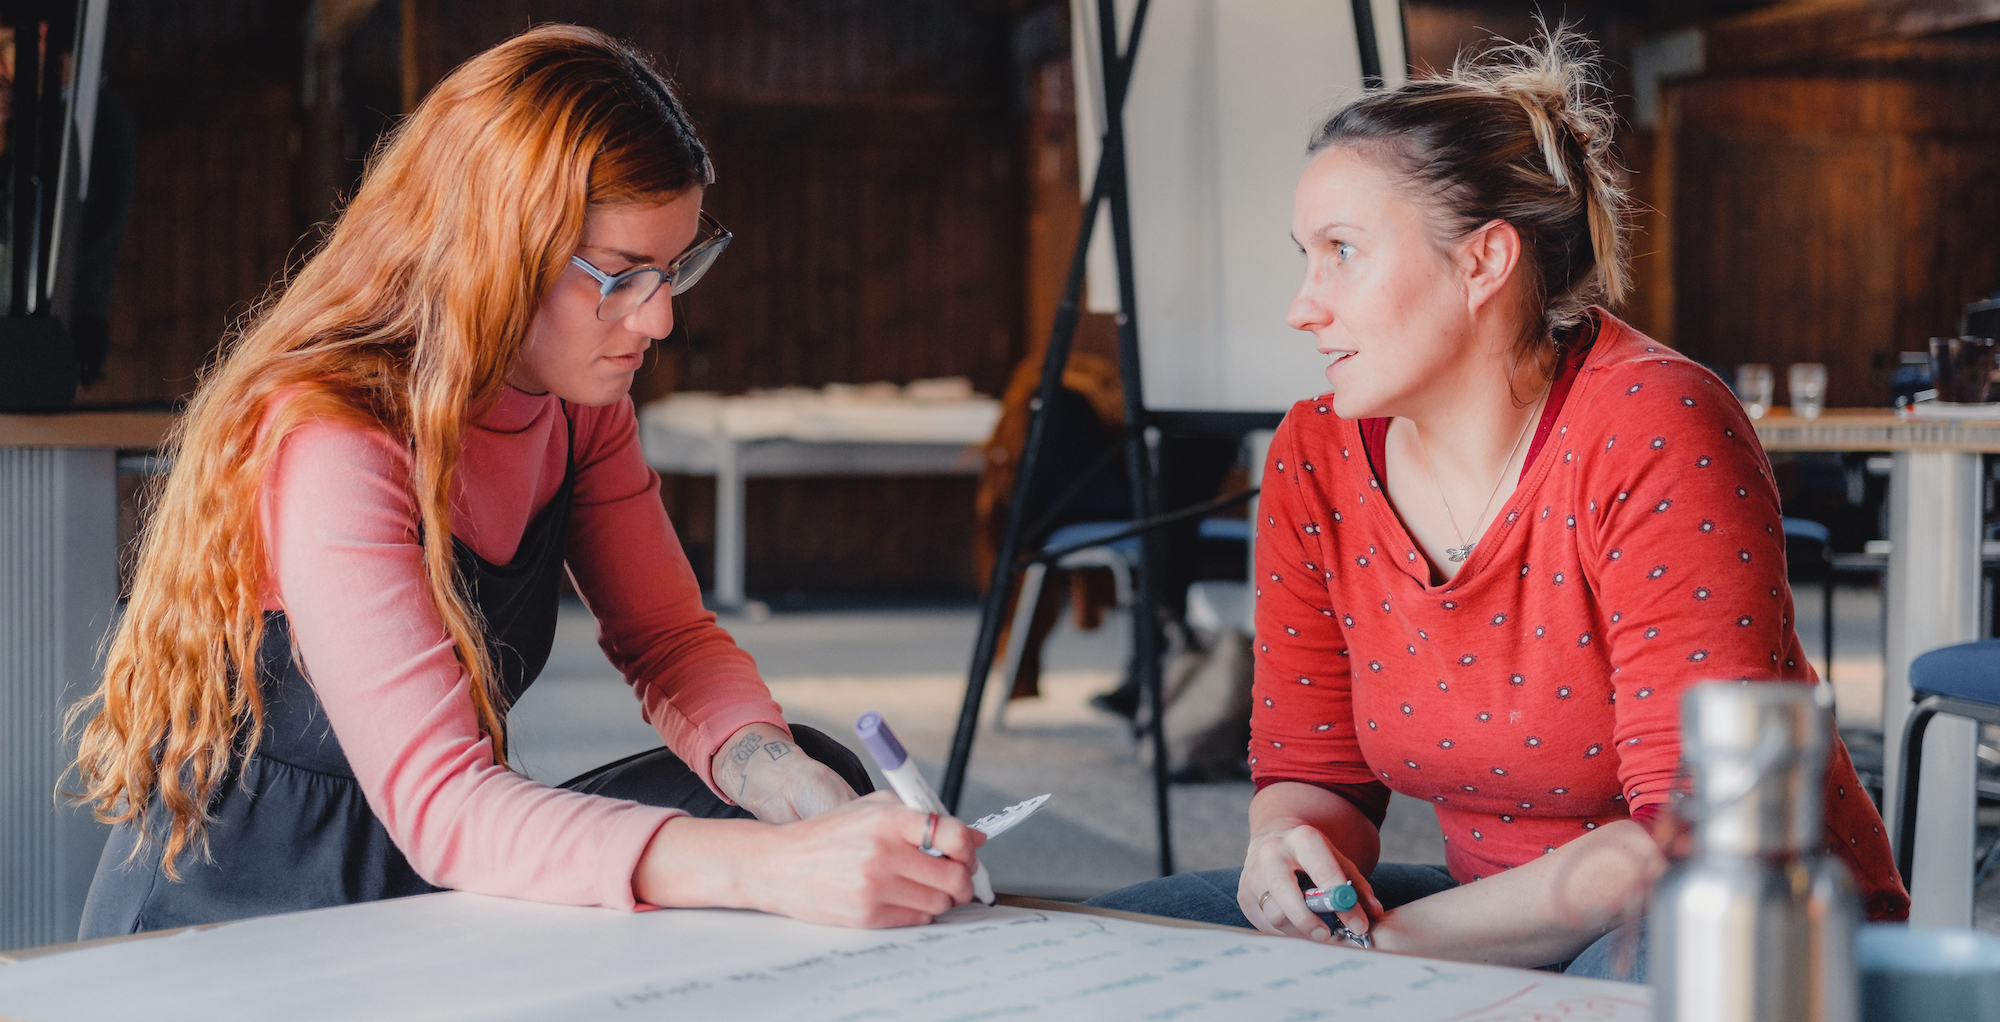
(1933, 600)
(729, 522)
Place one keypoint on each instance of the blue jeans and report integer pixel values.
(1210, 897)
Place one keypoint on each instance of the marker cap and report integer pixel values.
(881, 741)
(1339, 899)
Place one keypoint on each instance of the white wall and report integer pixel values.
(1224, 96)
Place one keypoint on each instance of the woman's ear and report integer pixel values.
(1486, 259)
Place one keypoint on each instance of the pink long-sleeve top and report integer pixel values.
(346, 567)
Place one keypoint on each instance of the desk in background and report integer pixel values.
(1936, 500)
(840, 431)
(58, 595)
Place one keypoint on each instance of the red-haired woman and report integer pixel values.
(1493, 557)
(352, 572)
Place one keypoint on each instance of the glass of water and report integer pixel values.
(1808, 389)
(1754, 384)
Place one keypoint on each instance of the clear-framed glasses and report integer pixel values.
(621, 295)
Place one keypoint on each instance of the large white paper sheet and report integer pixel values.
(1223, 98)
(463, 956)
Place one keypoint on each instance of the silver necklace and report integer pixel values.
(1459, 553)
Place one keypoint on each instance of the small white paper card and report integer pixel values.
(995, 824)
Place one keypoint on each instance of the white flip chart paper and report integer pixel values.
(463, 956)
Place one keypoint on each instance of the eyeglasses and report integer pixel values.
(621, 295)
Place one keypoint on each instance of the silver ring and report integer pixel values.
(1261, 899)
(930, 831)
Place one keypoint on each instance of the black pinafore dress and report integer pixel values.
(291, 829)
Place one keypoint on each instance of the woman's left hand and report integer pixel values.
(764, 771)
(1268, 890)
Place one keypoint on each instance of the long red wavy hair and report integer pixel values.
(407, 320)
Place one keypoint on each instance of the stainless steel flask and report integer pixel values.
(1757, 923)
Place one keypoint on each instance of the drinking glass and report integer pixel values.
(1962, 369)
(1754, 384)
(1808, 389)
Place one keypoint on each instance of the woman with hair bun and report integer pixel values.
(353, 570)
(1493, 557)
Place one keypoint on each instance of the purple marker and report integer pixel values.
(910, 784)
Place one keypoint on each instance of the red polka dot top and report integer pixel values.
(1535, 696)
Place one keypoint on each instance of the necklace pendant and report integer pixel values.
(1456, 554)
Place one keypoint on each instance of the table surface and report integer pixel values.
(463, 955)
(1856, 429)
(813, 416)
(86, 429)
(1874, 429)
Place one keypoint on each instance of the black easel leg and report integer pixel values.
(1138, 459)
(1117, 71)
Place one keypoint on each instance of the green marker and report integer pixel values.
(1340, 899)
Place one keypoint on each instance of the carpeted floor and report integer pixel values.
(829, 666)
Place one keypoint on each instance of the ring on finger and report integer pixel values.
(930, 831)
(1261, 899)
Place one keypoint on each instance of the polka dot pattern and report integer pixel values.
(1675, 528)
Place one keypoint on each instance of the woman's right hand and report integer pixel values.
(857, 865)
(1269, 894)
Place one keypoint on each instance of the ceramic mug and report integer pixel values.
(1962, 369)
(1920, 974)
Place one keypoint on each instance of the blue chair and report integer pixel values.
(1118, 556)
(1963, 681)
(1234, 530)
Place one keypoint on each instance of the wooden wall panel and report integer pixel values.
(908, 536)
(1055, 212)
(1785, 253)
(1951, 256)
(212, 90)
(1838, 218)
(905, 536)
(1962, 102)
(871, 245)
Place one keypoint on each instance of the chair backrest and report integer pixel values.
(1808, 548)
(1256, 447)
(1074, 440)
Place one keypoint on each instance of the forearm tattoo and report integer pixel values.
(746, 749)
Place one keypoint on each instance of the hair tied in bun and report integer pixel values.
(1485, 141)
